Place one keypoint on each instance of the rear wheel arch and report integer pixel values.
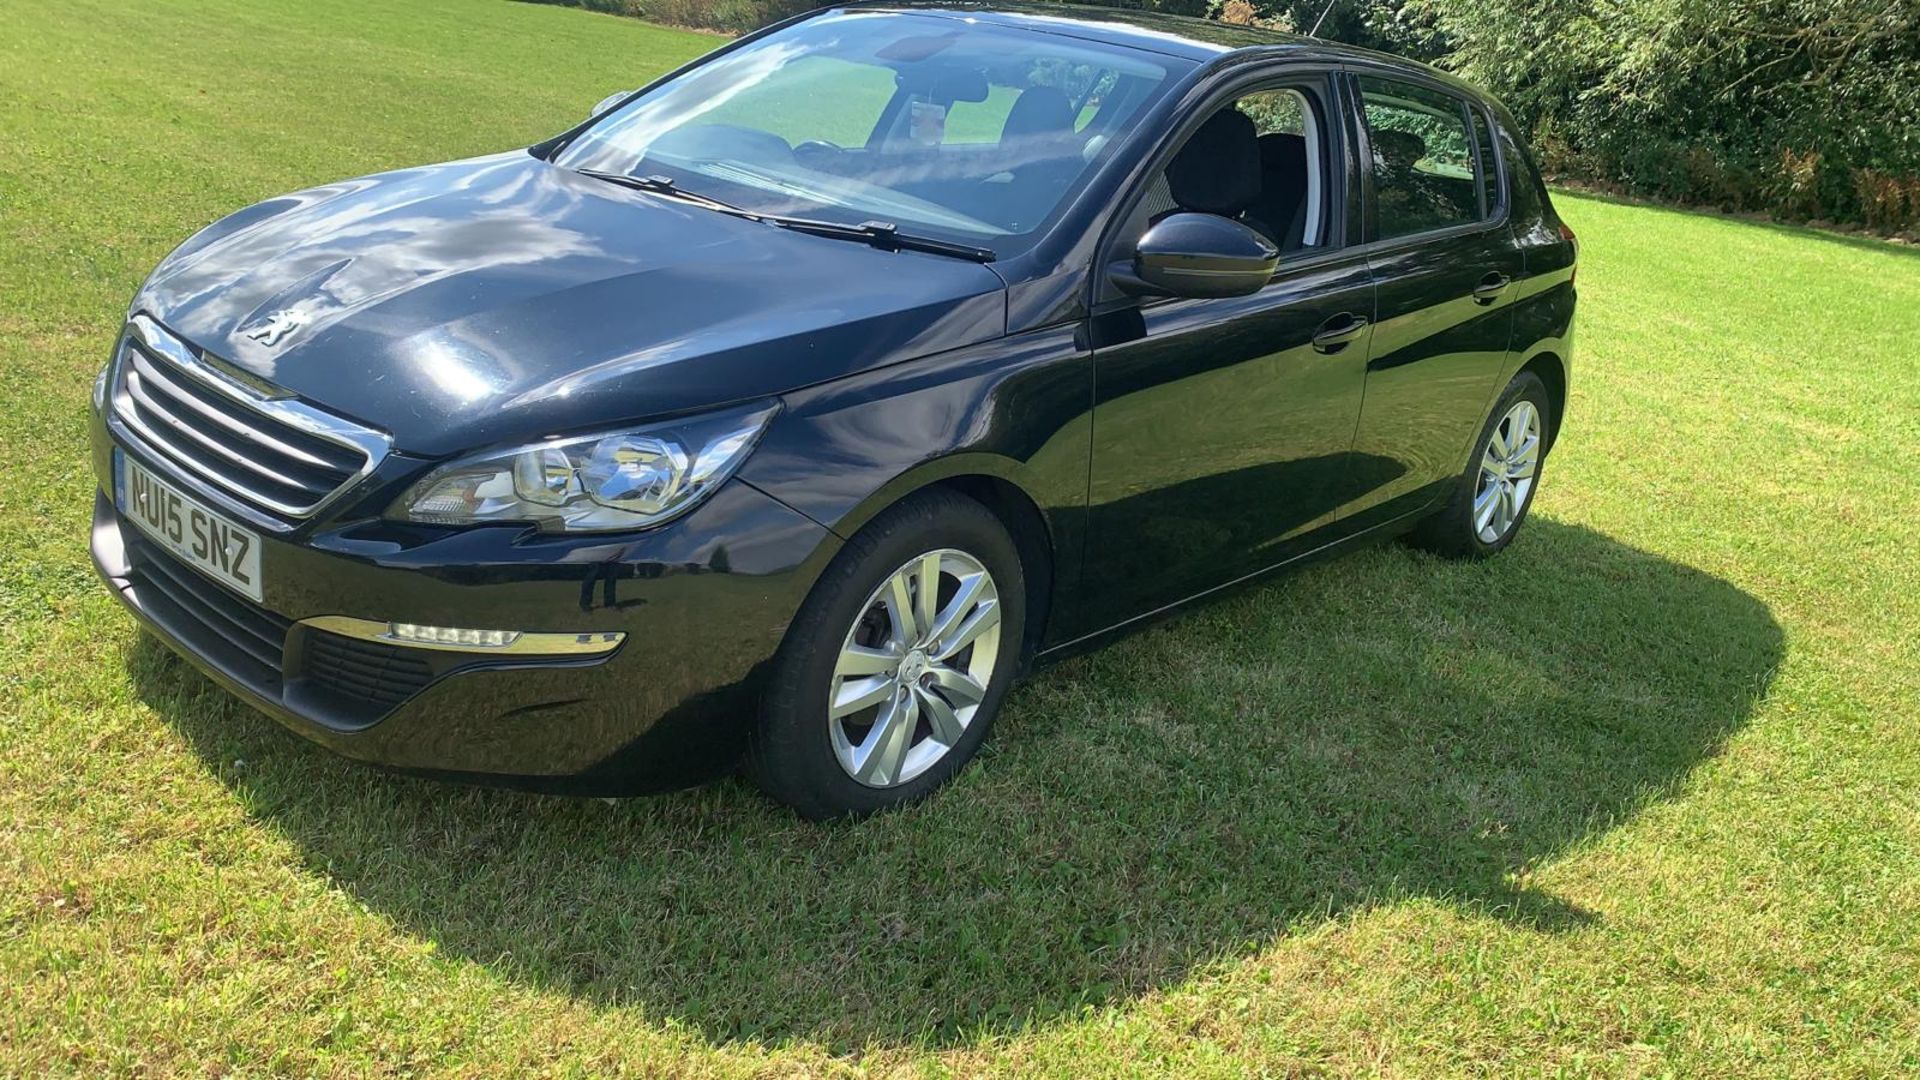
(1552, 371)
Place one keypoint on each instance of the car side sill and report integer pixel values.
(1390, 527)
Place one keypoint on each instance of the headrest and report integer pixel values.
(1039, 110)
(1218, 171)
(1399, 148)
(1283, 151)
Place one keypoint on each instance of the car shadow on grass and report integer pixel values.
(1381, 727)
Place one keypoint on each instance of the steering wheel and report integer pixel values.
(815, 153)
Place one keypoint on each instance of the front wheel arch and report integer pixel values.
(1023, 521)
(989, 480)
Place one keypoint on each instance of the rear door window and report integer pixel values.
(1426, 172)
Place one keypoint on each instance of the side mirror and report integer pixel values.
(609, 102)
(1199, 255)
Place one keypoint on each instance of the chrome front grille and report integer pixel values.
(229, 432)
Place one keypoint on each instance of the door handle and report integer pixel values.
(1490, 288)
(1338, 331)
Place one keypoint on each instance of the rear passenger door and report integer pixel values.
(1444, 263)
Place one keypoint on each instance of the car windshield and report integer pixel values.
(943, 126)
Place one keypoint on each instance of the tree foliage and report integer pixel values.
(1809, 108)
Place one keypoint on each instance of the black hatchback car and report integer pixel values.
(784, 410)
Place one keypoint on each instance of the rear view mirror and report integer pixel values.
(1199, 255)
(609, 102)
(944, 84)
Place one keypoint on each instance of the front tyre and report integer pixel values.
(1490, 499)
(893, 669)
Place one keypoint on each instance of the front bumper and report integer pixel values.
(704, 603)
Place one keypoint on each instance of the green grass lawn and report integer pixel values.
(1636, 798)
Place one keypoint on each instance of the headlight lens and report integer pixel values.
(622, 480)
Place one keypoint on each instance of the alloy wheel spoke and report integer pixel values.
(945, 722)
(927, 595)
(853, 695)
(1485, 505)
(858, 660)
(1525, 423)
(880, 757)
(973, 588)
(899, 602)
(1523, 461)
(1525, 448)
(984, 618)
(959, 687)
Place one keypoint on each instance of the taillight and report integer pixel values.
(1567, 235)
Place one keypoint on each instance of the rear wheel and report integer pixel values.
(1490, 499)
(896, 664)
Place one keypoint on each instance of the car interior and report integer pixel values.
(1424, 171)
(1412, 198)
(925, 162)
(1047, 139)
(1269, 182)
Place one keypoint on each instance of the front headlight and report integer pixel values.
(623, 480)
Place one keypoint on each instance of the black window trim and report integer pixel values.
(1483, 174)
(1351, 73)
(1497, 168)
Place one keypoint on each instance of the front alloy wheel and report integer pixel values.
(895, 665)
(914, 668)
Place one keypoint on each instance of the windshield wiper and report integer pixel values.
(884, 235)
(661, 185)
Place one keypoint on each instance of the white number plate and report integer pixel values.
(201, 538)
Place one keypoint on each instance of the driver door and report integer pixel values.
(1223, 428)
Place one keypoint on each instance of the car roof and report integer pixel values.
(1150, 31)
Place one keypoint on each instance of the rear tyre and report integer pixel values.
(896, 664)
(1489, 501)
